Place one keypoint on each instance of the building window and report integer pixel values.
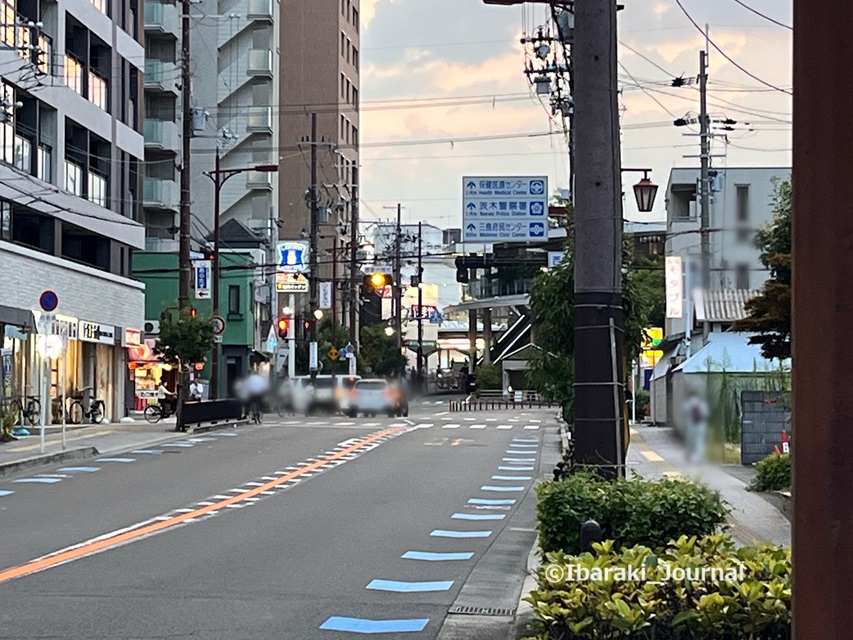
(344, 8)
(100, 5)
(23, 154)
(355, 98)
(742, 276)
(73, 74)
(98, 91)
(354, 137)
(349, 87)
(355, 18)
(343, 127)
(43, 163)
(44, 54)
(343, 44)
(343, 85)
(97, 189)
(743, 203)
(355, 57)
(73, 178)
(5, 220)
(349, 49)
(234, 300)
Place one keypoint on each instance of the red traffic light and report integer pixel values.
(283, 326)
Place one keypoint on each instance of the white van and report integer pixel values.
(327, 394)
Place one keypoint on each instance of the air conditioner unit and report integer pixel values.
(151, 327)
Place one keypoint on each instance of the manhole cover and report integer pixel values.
(481, 611)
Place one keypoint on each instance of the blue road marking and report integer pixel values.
(512, 478)
(363, 625)
(437, 557)
(154, 452)
(490, 501)
(478, 516)
(409, 587)
(508, 489)
(519, 459)
(9, 493)
(443, 533)
(37, 480)
(515, 468)
(81, 469)
(116, 460)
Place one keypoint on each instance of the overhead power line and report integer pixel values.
(763, 15)
(726, 56)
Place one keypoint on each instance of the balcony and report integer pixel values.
(259, 179)
(162, 18)
(259, 119)
(160, 194)
(161, 76)
(259, 10)
(260, 62)
(161, 134)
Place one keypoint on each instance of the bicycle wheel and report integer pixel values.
(75, 413)
(15, 409)
(33, 413)
(96, 411)
(153, 413)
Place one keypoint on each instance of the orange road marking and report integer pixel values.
(76, 552)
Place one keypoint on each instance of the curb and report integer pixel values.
(14, 466)
(218, 427)
(524, 611)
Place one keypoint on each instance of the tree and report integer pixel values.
(379, 354)
(769, 313)
(183, 343)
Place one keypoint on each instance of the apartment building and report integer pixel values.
(320, 64)
(70, 190)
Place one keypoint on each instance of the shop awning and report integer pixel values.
(22, 318)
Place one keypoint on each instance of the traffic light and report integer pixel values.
(283, 326)
(193, 312)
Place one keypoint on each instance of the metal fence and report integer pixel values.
(764, 415)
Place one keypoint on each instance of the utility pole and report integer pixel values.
(599, 380)
(184, 263)
(355, 279)
(217, 185)
(420, 306)
(313, 275)
(398, 284)
(822, 300)
(334, 303)
(704, 178)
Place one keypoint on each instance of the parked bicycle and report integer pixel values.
(76, 412)
(27, 408)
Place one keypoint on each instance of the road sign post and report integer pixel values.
(505, 209)
(48, 301)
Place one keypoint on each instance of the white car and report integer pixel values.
(324, 394)
(372, 397)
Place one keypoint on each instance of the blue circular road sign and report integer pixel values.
(48, 300)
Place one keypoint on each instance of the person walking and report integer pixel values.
(257, 387)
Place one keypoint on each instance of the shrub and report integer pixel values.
(643, 399)
(749, 595)
(488, 377)
(774, 473)
(630, 512)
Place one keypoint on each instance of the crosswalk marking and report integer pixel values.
(451, 426)
(532, 427)
(478, 426)
(504, 426)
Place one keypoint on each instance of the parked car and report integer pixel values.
(375, 396)
(326, 394)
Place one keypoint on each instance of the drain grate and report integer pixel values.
(481, 611)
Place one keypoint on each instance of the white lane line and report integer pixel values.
(478, 426)
(451, 426)
(425, 425)
(441, 413)
(491, 419)
(115, 460)
(504, 426)
(469, 419)
(532, 427)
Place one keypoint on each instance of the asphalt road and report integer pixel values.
(300, 528)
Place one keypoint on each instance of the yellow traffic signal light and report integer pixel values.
(378, 280)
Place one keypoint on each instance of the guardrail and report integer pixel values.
(211, 414)
(532, 401)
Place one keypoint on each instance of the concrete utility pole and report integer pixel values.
(420, 305)
(822, 317)
(355, 275)
(184, 263)
(312, 258)
(398, 280)
(599, 376)
(704, 177)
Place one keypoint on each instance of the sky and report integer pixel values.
(443, 71)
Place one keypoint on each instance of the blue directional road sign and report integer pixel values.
(435, 317)
(504, 209)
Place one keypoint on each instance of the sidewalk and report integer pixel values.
(655, 453)
(82, 442)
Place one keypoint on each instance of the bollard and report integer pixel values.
(590, 532)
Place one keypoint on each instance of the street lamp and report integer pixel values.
(389, 331)
(644, 191)
(220, 176)
(318, 313)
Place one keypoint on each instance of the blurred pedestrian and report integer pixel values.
(696, 424)
(196, 390)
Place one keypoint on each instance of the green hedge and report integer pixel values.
(774, 473)
(750, 597)
(630, 512)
